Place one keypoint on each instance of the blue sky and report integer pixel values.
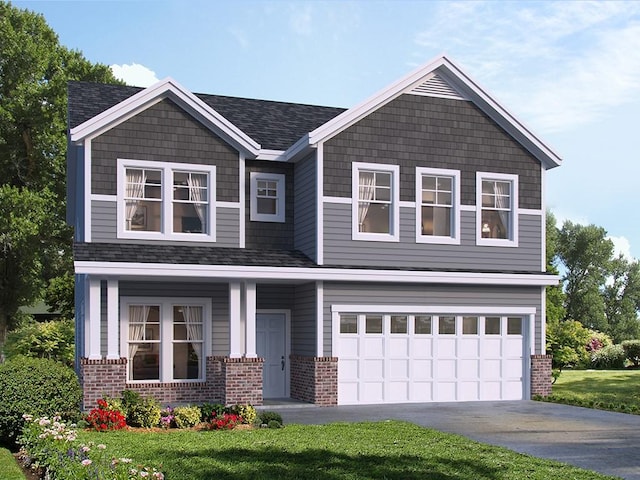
(570, 71)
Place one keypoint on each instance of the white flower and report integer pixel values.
(86, 462)
(85, 449)
(144, 474)
(101, 446)
(125, 460)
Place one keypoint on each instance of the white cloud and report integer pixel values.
(135, 74)
(621, 246)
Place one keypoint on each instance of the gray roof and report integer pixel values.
(274, 125)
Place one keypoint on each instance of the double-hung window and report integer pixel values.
(376, 202)
(496, 209)
(164, 338)
(438, 205)
(267, 197)
(160, 200)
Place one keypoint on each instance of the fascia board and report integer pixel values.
(167, 88)
(317, 274)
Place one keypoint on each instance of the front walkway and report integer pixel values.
(606, 442)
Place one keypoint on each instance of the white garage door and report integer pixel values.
(386, 358)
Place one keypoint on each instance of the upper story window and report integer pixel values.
(267, 197)
(496, 209)
(375, 211)
(160, 200)
(438, 205)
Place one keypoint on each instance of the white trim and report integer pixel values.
(530, 211)
(235, 320)
(543, 322)
(241, 190)
(166, 232)
(166, 333)
(319, 204)
(512, 241)
(339, 200)
(532, 334)
(167, 88)
(394, 221)
(250, 319)
(272, 155)
(93, 314)
(255, 216)
(103, 198)
(319, 319)
(467, 208)
(112, 320)
(237, 272)
(87, 190)
(454, 239)
(233, 205)
(407, 204)
(543, 226)
(433, 309)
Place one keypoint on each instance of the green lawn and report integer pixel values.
(9, 469)
(617, 390)
(385, 450)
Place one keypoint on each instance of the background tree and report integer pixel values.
(621, 295)
(555, 295)
(34, 70)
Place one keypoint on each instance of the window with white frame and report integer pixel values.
(375, 211)
(496, 209)
(438, 204)
(267, 197)
(166, 200)
(164, 338)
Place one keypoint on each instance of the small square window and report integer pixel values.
(514, 326)
(398, 324)
(267, 202)
(373, 324)
(348, 324)
(422, 325)
(447, 325)
(492, 326)
(469, 325)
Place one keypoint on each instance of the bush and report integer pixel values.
(566, 341)
(609, 357)
(226, 421)
(632, 351)
(210, 410)
(53, 340)
(247, 412)
(103, 418)
(140, 412)
(186, 417)
(597, 341)
(37, 387)
(267, 418)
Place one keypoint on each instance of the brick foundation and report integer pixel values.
(314, 379)
(228, 381)
(541, 375)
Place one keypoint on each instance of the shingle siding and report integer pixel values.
(418, 131)
(163, 132)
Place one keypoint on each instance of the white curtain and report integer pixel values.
(137, 317)
(367, 187)
(503, 201)
(193, 321)
(134, 189)
(196, 194)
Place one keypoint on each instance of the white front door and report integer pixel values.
(271, 345)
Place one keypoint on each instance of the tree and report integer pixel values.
(586, 254)
(555, 295)
(34, 70)
(621, 295)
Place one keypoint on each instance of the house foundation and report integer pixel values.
(541, 375)
(314, 379)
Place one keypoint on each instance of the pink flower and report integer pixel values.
(86, 462)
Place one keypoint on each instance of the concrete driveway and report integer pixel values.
(606, 442)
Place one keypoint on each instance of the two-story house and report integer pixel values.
(235, 250)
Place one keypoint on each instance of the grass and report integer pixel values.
(385, 450)
(615, 390)
(8, 467)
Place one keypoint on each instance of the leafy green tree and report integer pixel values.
(53, 340)
(586, 253)
(555, 295)
(34, 71)
(566, 342)
(621, 295)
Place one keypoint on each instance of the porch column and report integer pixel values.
(250, 311)
(92, 320)
(113, 352)
(235, 314)
(319, 319)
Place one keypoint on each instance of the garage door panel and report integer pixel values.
(398, 391)
(446, 369)
(490, 390)
(469, 391)
(398, 347)
(373, 347)
(513, 368)
(469, 348)
(469, 369)
(373, 369)
(447, 347)
(446, 392)
(348, 346)
(348, 392)
(348, 370)
(422, 348)
(372, 392)
(513, 347)
(492, 347)
(512, 391)
(398, 369)
(491, 369)
(422, 370)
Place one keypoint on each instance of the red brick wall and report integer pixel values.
(242, 380)
(541, 375)
(101, 377)
(314, 379)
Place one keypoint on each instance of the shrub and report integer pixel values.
(247, 412)
(53, 340)
(266, 418)
(274, 424)
(140, 412)
(103, 418)
(632, 351)
(227, 421)
(609, 357)
(186, 417)
(167, 418)
(210, 410)
(37, 387)
(566, 341)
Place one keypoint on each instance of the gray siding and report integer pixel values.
(104, 228)
(164, 132)
(429, 295)
(304, 230)
(270, 235)
(303, 324)
(415, 130)
(218, 293)
(340, 249)
(274, 297)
